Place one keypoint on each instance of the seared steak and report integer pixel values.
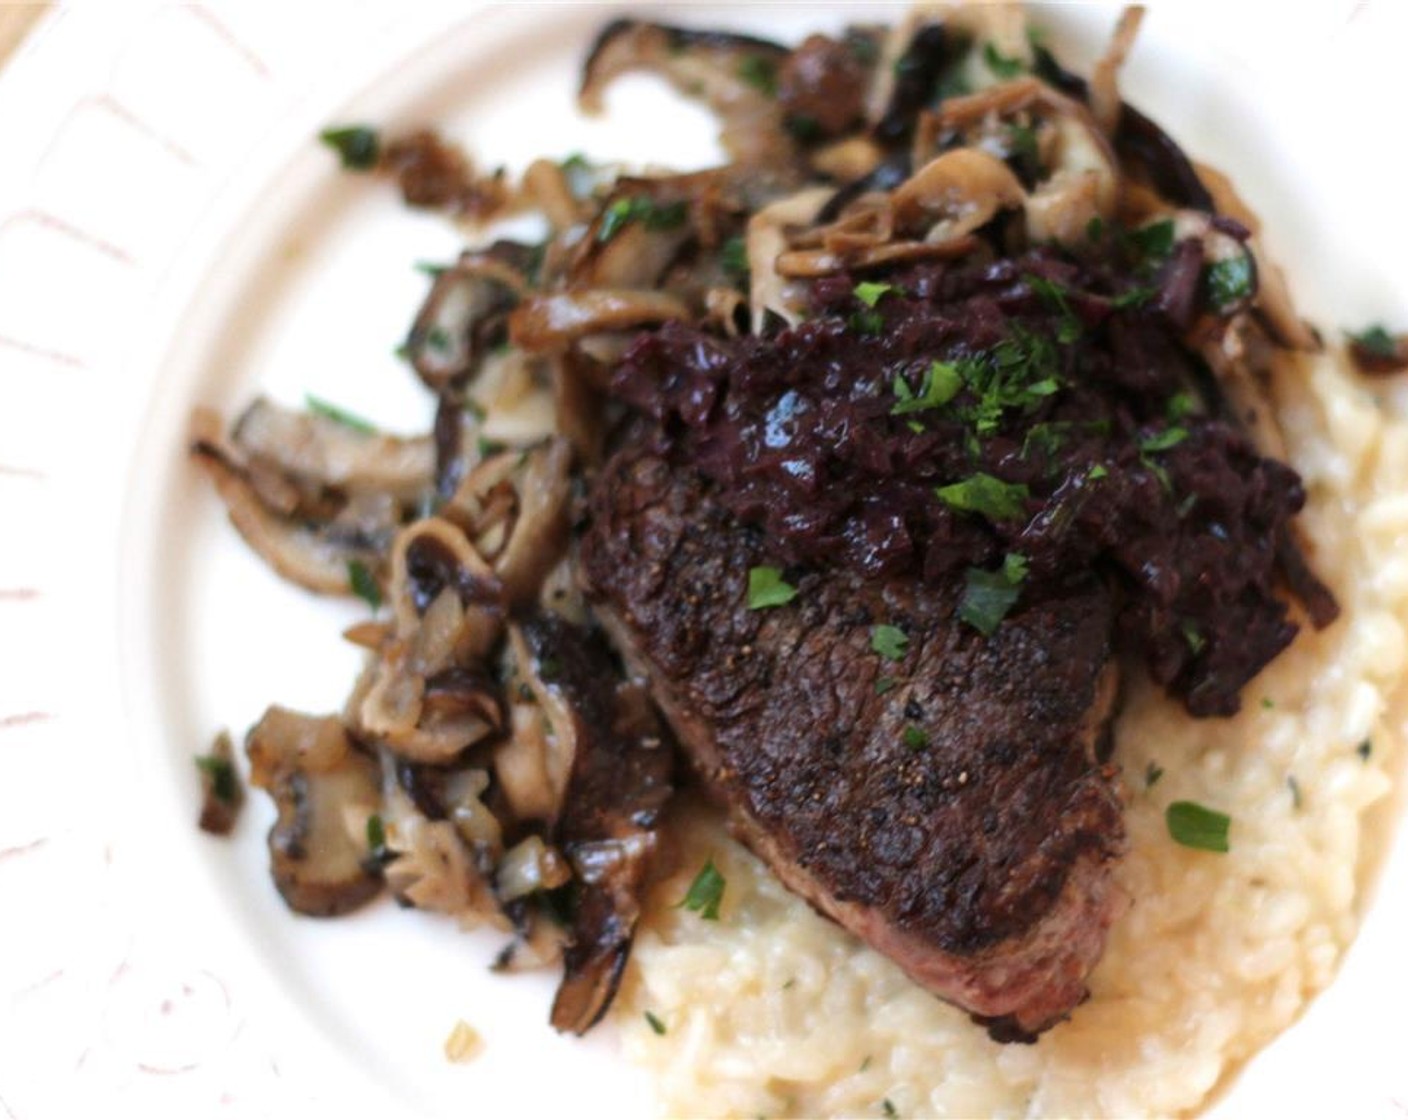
(954, 816)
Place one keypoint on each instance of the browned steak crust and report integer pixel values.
(978, 859)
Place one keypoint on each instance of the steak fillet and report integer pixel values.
(974, 851)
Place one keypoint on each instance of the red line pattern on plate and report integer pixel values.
(24, 719)
(18, 594)
(22, 472)
(228, 37)
(56, 356)
(45, 220)
(109, 104)
(23, 849)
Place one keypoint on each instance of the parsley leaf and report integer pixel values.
(1153, 242)
(942, 381)
(1097, 471)
(999, 63)
(891, 1113)
(1054, 296)
(357, 146)
(759, 72)
(363, 583)
(1193, 636)
(1375, 341)
(224, 782)
(1230, 281)
(767, 588)
(655, 1022)
(1195, 826)
(1162, 441)
(733, 258)
(914, 738)
(889, 641)
(320, 407)
(1152, 773)
(651, 214)
(884, 685)
(988, 596)
(1294, 786)
(705, 893)
(869, 292)
(983, 494)
(1365, 749)
(376, 841)
(1134, 297)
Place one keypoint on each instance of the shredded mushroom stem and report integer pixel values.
(766, 241)
(560, 736)
(1105, 103)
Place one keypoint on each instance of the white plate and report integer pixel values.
(184, 241)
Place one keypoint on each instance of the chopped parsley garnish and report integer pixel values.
(767, 588)
(655, 1022)
(867, 322)
(999, 63)
(320, 407)
(914, 738)
(357, 146)
(1365, 749)
(1097, 471)
(1152, 773)
(733, 257)
(649, 213)
(376, 841)
(869, 292)
(1267, 703)
(1229, 281)
(942, 381)
(1375, 341)
(889, 641)
(363, 584)
(988, 596)
(1193, 636)
(487, 446)
(889, 1109)
(1179, 405)
(1021, 143)
(759, 72)
(1196, 826)
(705, 893)
(430, 268)
(1162, 441)
(224, 782)
(549, 668)
(1054, 296)
(884, 685)
(1153, 242)
(1095, 228)
(1135, 297)
(803, 127)
(1294, 786)
(983, 494)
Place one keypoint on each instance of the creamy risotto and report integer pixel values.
(774, 1011)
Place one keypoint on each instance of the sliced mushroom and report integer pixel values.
(955, 194)
(325, 791)
(297, 552)
(462, 318)
(221, 793)
(540, 533)
(608, 826)
(318, 450)
(732, 73)
(546, 323)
